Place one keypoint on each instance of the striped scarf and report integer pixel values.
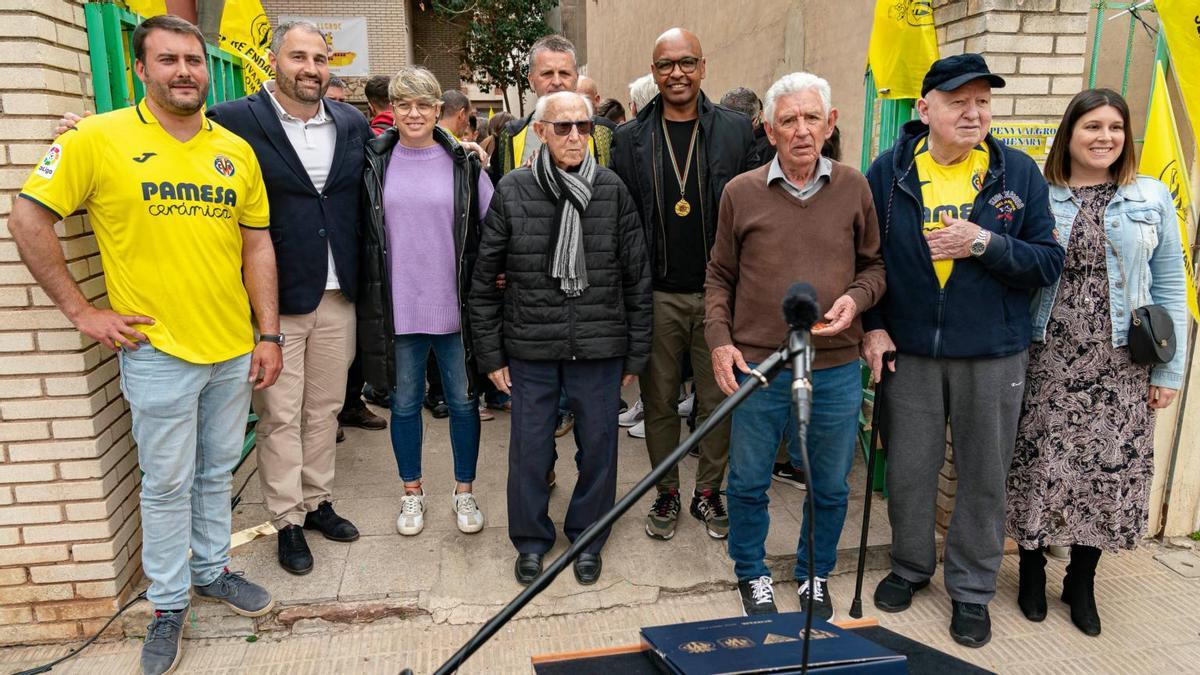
(572, 192)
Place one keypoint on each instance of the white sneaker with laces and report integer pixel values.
(632, 416)
(685, 406)
(412, 514)
(638, 430)
(470, 518)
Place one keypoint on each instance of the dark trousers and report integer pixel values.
(593, 389)
(354, 385)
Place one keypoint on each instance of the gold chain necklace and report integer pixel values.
(682, 207)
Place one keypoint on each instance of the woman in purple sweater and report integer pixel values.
(426, 196)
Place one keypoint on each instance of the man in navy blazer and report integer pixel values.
(311, 152)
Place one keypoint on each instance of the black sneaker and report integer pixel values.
(708, 508)
(822, 604)
(895, 593)
(294, 555)
(660, 522)
(784, 472)
(970, 624)
(758, 596)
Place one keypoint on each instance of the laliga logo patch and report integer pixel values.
(1006, 203)
(223, 165)
(49, 163)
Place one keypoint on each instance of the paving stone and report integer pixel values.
(1184, 563)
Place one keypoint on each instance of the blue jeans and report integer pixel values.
(189, 421)
(412, 350)
(759, 424)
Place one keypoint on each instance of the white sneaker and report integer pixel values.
(638, 430)
(685, 406)
(470, 518)
(412, 514)
(632, 416)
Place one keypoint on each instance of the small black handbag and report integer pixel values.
(1151, 335)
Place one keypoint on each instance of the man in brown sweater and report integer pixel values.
(801, 217)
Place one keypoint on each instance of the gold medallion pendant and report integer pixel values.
(682, 208)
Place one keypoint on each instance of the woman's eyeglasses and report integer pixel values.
(564, 128)
(405, 107)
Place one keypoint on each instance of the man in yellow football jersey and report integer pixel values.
(180, 214)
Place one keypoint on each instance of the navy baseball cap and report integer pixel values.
(953, 72)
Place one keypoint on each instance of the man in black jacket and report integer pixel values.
(575, 315)
(676, 157)
(311, 152)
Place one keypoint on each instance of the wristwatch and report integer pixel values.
(278, 337)
(980, 244)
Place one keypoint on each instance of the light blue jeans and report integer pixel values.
(189, 421)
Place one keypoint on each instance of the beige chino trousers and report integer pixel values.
(297, 417)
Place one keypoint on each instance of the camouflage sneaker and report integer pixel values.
(164, 642)
(708, 508)
(660, 522)
(244, 597)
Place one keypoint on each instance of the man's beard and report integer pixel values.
(177, 103)
(290, 87)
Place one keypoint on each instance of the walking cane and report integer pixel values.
(876, 423)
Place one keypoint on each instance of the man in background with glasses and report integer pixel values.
(676, 157)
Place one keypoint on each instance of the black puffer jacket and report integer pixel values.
(532, 318)
(376, 326)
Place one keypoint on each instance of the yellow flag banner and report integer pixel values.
(903, 46)
(246, 31)
(1181, 24)
(1162, 158)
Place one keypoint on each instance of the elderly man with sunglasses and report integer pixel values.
(575, 316)
(676, 157)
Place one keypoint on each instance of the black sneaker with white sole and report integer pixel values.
(784, 472)
(758, 596)
(822, 604)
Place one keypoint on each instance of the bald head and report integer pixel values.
(676, 38)
(587, 88)
(678, 67)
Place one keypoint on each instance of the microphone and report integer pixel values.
(801, 311)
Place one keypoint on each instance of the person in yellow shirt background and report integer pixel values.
(180, 214)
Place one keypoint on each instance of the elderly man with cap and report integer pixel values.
(967, 236)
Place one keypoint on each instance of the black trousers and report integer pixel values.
(593, 389)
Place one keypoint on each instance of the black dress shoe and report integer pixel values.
(528, 567)
(587, 568)
(359, 416)
(330, 524)
(970, 624)
(895, 593)
(294, 555)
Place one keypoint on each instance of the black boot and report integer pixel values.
(1079, 589)
(1031, 589)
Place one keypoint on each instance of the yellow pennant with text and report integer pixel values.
(903, 46)
(246, 31)
(1181, 24)
(1162, 158)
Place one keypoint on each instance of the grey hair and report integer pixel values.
(338, 82)
(742, 100)
(539, 110)
(286, 27)
(794, 83)
(642, 91)
(550, 43)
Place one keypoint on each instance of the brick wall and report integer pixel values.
(389, 31)
(438, 45)
(69, 528)
(1038, 47)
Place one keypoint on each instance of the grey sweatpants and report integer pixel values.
(981, 399)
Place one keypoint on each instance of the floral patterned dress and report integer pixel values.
(1085, 444)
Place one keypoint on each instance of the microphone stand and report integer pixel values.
(758, 377)
(800, 350)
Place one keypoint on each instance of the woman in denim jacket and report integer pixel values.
(1084, 457)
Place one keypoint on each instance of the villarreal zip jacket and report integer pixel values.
(984, 309)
